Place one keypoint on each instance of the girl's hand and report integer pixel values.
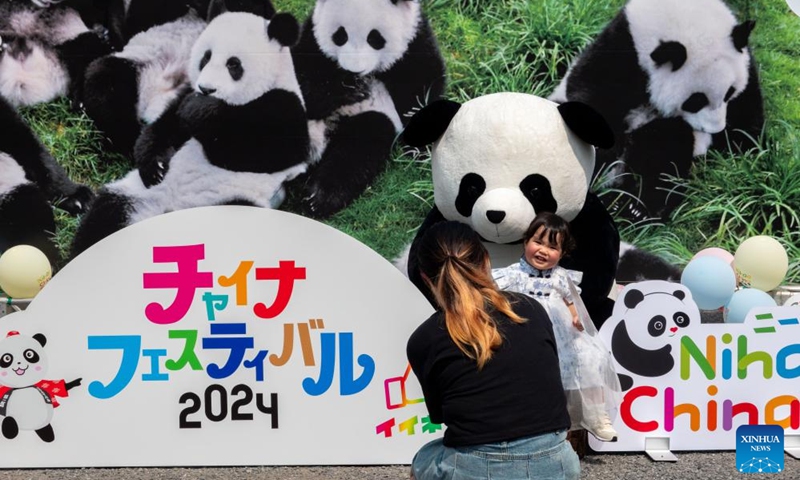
(576, 322)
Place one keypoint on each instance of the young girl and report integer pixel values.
(586, 366)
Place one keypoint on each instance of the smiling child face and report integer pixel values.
(540, 252)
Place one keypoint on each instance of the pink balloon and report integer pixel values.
(715, 252)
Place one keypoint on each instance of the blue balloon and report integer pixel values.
(711, 281)
(743, 301)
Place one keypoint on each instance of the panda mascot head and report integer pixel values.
(234, 139)
(499, 159)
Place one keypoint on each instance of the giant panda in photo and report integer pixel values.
(499, 159)
(131, 88)
(244, 130)
(44, 52)
(30, 181)
(673, 78)
(363, 67)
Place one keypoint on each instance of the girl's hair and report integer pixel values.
(455, 265)
(554, 227)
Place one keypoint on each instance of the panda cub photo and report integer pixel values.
(673, 78)
(44, 52)
(31, 183)
(363, 67)
(235, 139)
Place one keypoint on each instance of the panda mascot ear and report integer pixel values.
(669, 52)
(741, 34)
(587, 124)
(40, 338)
(284, 28)
(429, 123)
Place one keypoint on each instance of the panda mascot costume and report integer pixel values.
(673, 78)
(244, 122)
(499, 159)
(44, 52)
(363, 67)
(30, 181)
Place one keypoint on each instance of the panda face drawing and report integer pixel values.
(22, 361)
(496, 175)
(652, 319)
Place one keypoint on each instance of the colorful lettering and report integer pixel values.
(186, 280)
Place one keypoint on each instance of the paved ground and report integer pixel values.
(694, 466)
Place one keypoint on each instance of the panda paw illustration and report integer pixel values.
(73, 384)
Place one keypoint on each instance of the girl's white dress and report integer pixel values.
(587, 370)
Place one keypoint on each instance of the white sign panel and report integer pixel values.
(215, 336)
(696, 383)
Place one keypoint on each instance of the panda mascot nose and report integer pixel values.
(495, 216)
(206, 90)
(673, 329)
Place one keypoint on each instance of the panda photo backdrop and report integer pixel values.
(694, 382)
(213, 341)
(487, 47)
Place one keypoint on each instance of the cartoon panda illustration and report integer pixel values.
(27, 400)
(646, 323)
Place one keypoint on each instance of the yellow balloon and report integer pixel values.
(24, 271)
(761, 263)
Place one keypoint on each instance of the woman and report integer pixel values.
(488, 367)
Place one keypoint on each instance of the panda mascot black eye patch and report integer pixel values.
(536, 189)
(471, 188)
(673, 80)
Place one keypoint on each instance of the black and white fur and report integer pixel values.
(243, 128)
(363, 67)
(131, 88)
(673, 78)
(30, 181)
(44, 52)
(23, 364)
(499, 160)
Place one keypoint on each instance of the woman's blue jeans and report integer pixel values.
(547, 456)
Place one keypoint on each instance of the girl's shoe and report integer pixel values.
(600, 427)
